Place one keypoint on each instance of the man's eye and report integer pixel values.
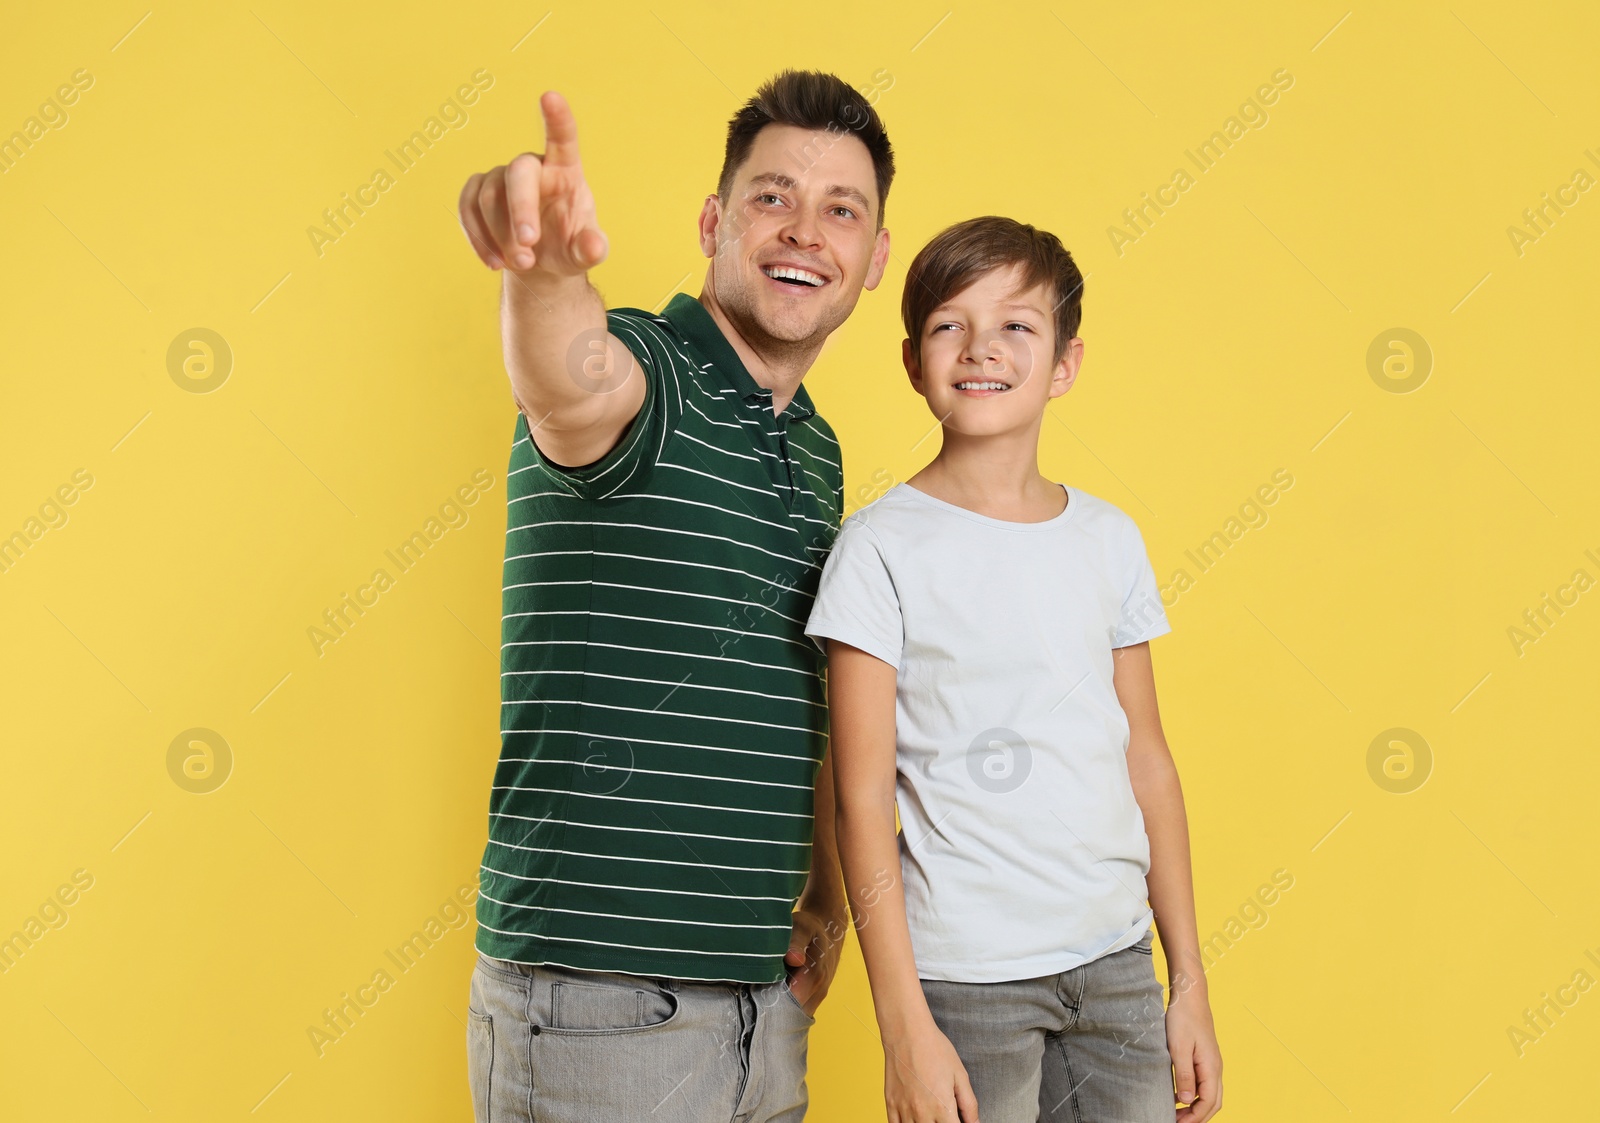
(767, 195)
(847, 211)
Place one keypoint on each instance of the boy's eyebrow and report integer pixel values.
(1012, 306)
(779, 179)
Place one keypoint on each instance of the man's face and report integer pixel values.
(986, 357)
(797, 241)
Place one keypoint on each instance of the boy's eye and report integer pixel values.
(1024, 327)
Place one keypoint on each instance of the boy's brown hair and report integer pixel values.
(960, 254)
(809, 99)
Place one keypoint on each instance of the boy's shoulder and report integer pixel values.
(904, 509)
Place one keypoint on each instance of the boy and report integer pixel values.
(988, 640)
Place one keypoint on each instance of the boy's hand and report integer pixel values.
(1196, 1059)
(536, 214)
(924, 1080)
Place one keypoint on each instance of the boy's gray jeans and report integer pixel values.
(554, 1045)
(1086, 1046)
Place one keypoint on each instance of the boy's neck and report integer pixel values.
(995, 476)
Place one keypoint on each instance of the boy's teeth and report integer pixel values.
(982, 386)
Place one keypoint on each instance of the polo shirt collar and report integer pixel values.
(691, 318)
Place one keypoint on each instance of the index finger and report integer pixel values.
(560, 130)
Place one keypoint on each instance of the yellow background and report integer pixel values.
(1229, 342)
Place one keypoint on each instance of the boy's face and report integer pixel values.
(986, 357)
(805, 204)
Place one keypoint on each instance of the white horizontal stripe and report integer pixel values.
(649, 741)
(695, 564)
(540, 554)
(539, 494)
(669, 682)
(716, 448)
(658, 651)
(664, 592)
(673, 530)
(663, 802)
(640, 919)
(630, 770)
(724, 510)
(728, 424)
(610, 944)
(651, 861)
(817, 429)
(645, 830)
(662, 713)
(767, 491)
(806, 645)
(628, 888)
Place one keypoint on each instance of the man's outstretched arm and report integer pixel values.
(534, 219)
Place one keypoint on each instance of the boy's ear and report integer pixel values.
(913, 368)
(1066, 372)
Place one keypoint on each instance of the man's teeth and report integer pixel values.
(789, 273)
(982, 386)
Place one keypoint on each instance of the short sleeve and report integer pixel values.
(625, 468)
(856, 600)
(1143, 617)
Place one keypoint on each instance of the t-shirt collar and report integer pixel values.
(691, 318)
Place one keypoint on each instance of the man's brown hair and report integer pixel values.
(809, 99)
(958, 255)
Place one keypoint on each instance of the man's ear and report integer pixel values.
(1066, 372)
(710, 222)
(913, 367)
(880, 260)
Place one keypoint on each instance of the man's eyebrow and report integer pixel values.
(779, 179)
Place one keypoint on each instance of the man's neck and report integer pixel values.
(778, 368)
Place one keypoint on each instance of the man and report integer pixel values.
(660, 804)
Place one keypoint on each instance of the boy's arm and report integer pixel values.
(923, 1076)
(1197, 1062)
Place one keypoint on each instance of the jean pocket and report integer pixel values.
(794, 1001)
(480, 1062)
(610, 1008)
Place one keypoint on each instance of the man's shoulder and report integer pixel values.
(652, 337)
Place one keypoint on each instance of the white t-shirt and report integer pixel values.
(1022, 848)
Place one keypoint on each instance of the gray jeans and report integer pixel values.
(1085, 1046)
(562, 1046)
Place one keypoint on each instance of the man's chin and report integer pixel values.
(792, 325)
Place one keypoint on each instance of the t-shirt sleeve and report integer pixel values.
(856, 600)
(1143, 617)
(624, 469)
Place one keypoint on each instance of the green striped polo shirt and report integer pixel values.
(662, 710)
